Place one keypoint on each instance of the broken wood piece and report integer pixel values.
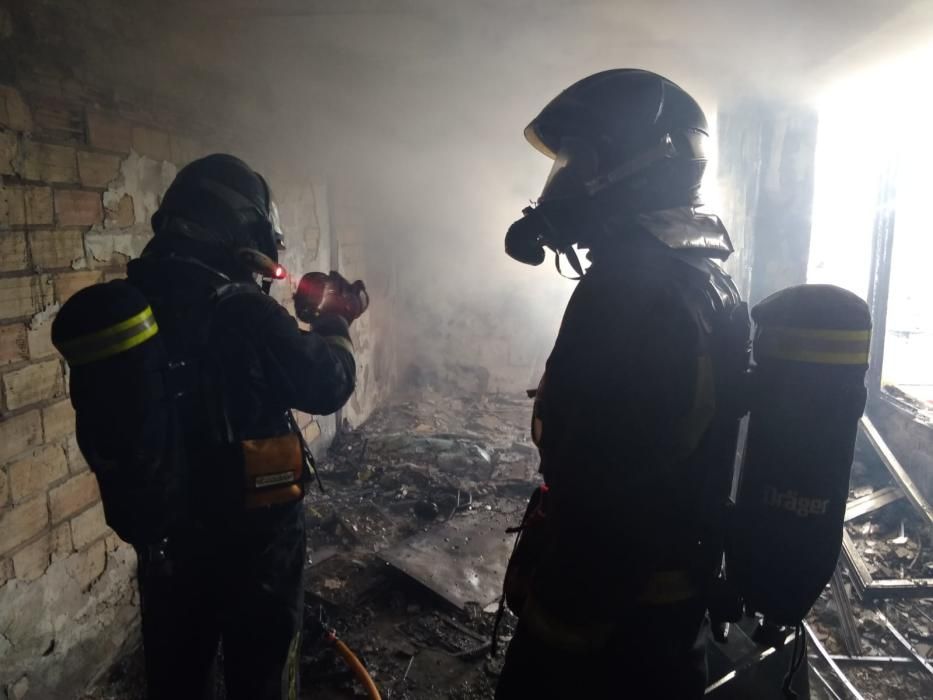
(869, 660)
(821, 650)
(850, 635)
(903, 641)
(858, 571)
(474, 653)
(858, 507)
(825, 683)
(897, 471)
(901, 588)
(462, 628)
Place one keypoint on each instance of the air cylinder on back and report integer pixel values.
(808, 392)
(126, 424)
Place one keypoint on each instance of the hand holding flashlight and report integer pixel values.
(320, 293)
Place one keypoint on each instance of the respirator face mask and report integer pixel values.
(566, 211)
(555, 219)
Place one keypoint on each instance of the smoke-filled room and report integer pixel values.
(474, 350)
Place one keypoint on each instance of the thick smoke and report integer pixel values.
(418, 107)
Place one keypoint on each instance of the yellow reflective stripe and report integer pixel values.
(822, 333)
(821, 358)
(115, 348)
(340, 342)
(98, 336)
(814, 345)
(112, 340)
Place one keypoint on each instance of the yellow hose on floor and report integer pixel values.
(359, 670)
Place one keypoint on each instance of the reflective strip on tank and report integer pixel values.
(340, 342)
(815, 345)
(112, 340)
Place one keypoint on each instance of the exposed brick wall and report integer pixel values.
(60, 159)
(51, 197)
(98, 110)
(78, 187)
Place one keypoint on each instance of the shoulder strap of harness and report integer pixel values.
(220, 296)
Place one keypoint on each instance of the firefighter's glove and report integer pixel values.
(319, 294)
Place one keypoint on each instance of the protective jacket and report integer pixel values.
(636, 420)
(245, 361)
(232, 572)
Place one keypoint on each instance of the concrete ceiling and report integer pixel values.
(716, 46)
(420, 71)
(421, 104)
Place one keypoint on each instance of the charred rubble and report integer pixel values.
(429, 471)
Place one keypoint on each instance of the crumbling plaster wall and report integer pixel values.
(86, 152)
(360, 256)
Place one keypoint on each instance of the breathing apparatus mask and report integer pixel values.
(578, 201)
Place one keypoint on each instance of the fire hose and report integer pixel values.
(356, 666)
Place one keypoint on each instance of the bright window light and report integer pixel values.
(874, 134)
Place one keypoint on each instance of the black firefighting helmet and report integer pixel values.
(220, 200)
(623, 141)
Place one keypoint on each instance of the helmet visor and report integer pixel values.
(576, 164)
(276, 225)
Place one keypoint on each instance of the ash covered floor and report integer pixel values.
(429, 476)
(407, 550)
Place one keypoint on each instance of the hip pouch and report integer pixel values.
(272, 471)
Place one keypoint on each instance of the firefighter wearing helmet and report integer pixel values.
(229, 568)
(637, 414)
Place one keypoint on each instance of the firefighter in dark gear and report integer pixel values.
(232, 573)
(637, 414)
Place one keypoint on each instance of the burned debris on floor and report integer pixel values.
(875, 621)
(438, 475)
(411, 482)
(408, 548)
